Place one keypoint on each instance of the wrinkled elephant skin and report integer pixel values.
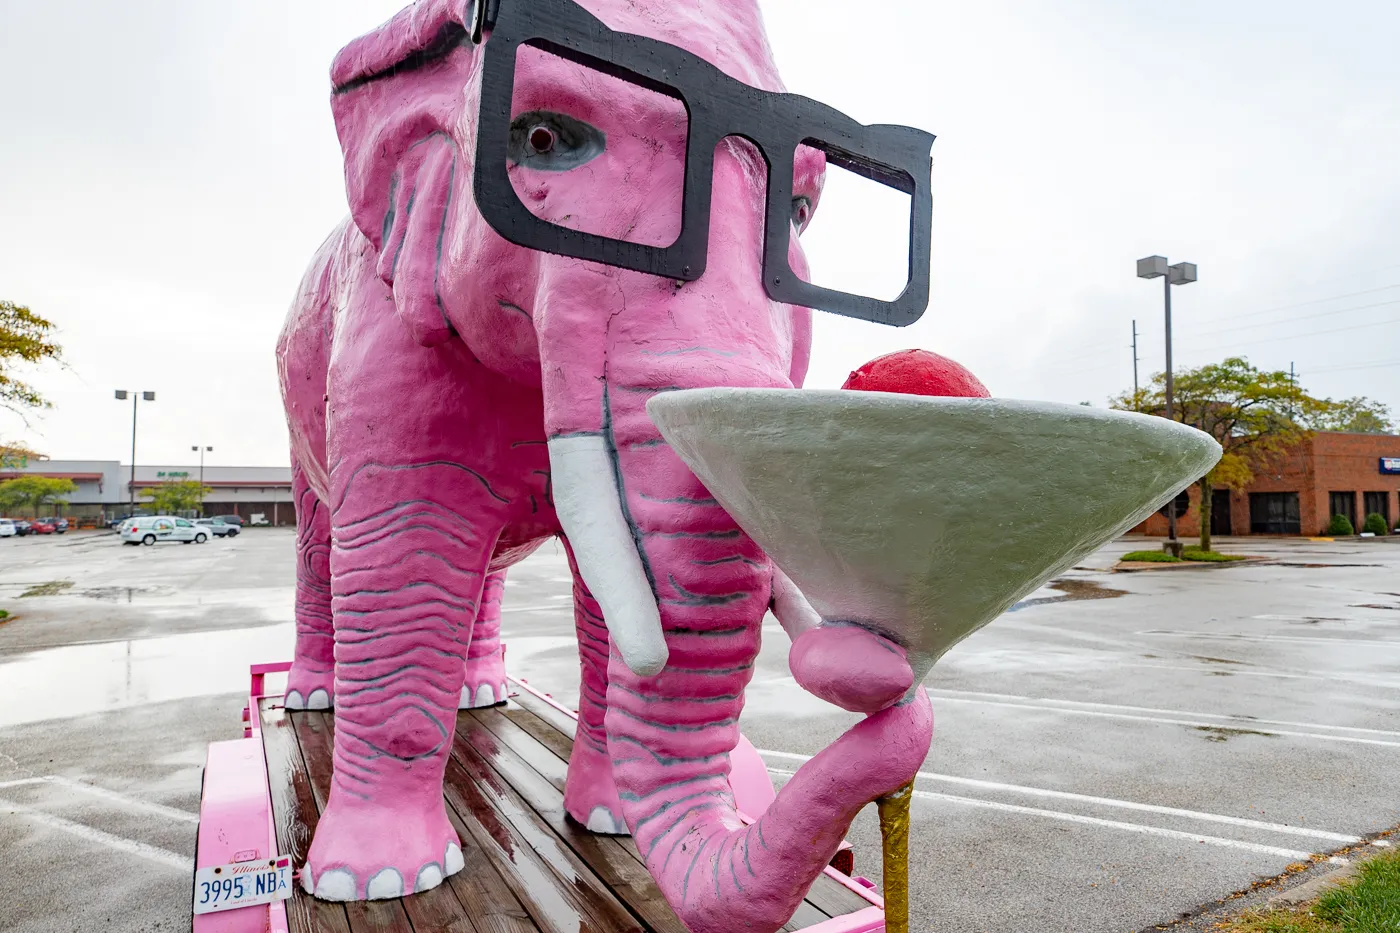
(455, 400)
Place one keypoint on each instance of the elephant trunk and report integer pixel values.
(670, 733)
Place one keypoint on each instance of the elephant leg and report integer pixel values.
(411, 547)
(590, 795)
(311, 682)
(486, 658)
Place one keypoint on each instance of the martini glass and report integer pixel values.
(924, 518)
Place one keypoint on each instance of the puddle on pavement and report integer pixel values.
(76, 680)
(124, 594)
(1070, 590)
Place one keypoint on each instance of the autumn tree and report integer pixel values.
(35, 491)
(25, 337)
(14, 456)
(1255, 415)
(169, 498)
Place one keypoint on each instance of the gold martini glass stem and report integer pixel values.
(894, 832)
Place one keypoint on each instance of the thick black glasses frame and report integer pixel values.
(718, 106)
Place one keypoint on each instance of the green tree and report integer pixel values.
(1257, 416)
(168, 498)
(35, 491)
(1355, 416)
(25, 337)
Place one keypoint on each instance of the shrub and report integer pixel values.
(1340, 526)
(1152, 557)
(1376, 524)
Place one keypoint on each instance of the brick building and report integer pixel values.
(1327, 474)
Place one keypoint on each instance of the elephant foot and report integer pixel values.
(366, 852)
(309, 689)
(851, 667)
(590, 794)
(486, 681)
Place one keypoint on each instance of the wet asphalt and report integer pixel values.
(1114, 753)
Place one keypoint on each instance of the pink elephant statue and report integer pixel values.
(455, 400)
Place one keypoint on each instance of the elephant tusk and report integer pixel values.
(590, 512)
(791, 608)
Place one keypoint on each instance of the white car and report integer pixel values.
(152, 528)
(7, 528)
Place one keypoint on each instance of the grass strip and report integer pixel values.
(1152, 557)
(1369, 902)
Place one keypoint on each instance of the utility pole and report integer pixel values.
(1183, 273)
(121, 395)
(1292, 384)
(1135, 360)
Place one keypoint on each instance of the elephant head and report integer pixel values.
(683, 589)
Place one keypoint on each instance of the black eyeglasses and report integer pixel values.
(717, 106)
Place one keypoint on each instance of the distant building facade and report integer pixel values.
(1328, 474)
(104, 487)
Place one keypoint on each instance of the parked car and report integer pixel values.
(221, 528)
(60, 525)
(149, 529)
(231, 519)
(41, 527)
(21, 527)
(7, 528)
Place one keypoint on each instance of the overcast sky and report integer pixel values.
(167, 168)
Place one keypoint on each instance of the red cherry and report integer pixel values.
(917, 372)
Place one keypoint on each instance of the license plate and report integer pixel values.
(226, 887)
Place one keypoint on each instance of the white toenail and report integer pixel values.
(454, 860)
(485, 696)
(429, 877)
(293, 700)
(319, 699)
(601, 820)
(307, 884)
(386, 883)
(337, 884)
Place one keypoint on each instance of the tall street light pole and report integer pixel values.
(135, 396)
(201, 475)
(1183, 273)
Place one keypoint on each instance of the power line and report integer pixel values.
(1375, 364)
(1318, 301)
(1301, 317)
(1317, 333)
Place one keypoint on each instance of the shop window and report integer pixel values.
(1378, 502)
(1182, 502)
(1343, 503)
(1274, 513)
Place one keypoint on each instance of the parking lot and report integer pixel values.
(1117, 751)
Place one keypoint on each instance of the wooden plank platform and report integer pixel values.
(528, 867)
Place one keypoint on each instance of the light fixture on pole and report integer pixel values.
(201, 450)
(121, 395)
(1183, 273)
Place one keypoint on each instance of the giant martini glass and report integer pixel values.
(924, 518)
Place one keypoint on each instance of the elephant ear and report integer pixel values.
(398, 94)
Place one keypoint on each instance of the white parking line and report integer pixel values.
(120, 843)
(1295, 639)
(1111, 802)
(1050, 703)
(1199, 722)
(1290, 854)
(133, 803)
(1234, 671)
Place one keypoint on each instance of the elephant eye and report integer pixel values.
(801, 212)
(553, 142)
